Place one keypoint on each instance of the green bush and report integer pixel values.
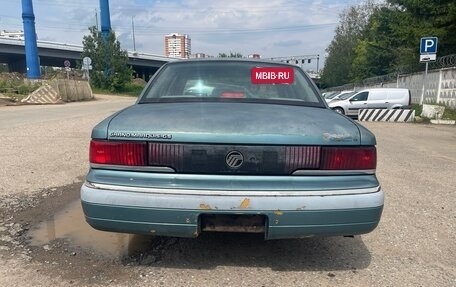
(130, 89)
(449, 114)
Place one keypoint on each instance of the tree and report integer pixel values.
(419, 18)
(110, 64)
(374, 40)
(375, 51)
(390, 41)
(341, 51)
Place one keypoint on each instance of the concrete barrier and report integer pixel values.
(73, 90)
(46, 94)
(59, 91)
(383, 115)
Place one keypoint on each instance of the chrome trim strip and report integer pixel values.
(251, 193)
(134, 168)
(333, 172)
(237, 203)
(171, 170)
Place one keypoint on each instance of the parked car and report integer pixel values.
(236, 146)
(338, 95)
(329, 94)
(383, 98)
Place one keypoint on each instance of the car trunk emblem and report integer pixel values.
(234, 159)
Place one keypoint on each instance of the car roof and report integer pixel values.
(382, 89)
(233, 60)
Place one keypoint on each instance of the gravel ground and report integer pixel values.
(44, 158)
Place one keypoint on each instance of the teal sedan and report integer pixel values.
(232, 146)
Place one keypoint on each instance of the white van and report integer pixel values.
(384, 98)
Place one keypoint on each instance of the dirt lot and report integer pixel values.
(44, 241)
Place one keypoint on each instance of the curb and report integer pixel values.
(443, 122)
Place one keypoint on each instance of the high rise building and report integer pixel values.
(177, 46)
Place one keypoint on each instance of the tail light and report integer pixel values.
(302, 157)
(170, 155)
(118, 153)
(348, 158)
(330, 158)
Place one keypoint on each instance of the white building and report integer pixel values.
(177, 45)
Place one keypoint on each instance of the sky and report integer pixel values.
(272, 28)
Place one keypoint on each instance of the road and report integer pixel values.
(44, 158)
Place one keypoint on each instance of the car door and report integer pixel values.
(357, 102)
(377, 99)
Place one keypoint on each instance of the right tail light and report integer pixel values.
(348, 158)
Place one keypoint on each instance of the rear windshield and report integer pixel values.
(232, 81)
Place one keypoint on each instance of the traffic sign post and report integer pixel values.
(428, 53)
(67, 65)
(428, 45)
(86, 67)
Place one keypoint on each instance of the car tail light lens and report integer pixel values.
(348, 158)
(163, 154)
(302, 157)
(118, 153)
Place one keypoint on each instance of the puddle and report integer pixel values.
(70, 224)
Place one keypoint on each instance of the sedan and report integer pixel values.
(232, 146)
(338, 96)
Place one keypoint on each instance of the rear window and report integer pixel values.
(219, 80)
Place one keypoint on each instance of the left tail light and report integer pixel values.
(118, 153)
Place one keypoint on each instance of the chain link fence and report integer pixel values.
(443, 62)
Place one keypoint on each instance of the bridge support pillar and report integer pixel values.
(31, 49)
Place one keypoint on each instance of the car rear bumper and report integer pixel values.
(177, 212)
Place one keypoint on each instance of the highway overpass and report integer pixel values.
(12, 52)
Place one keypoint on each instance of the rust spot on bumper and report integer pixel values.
(245, 203)
(278, 212)
(205, 206)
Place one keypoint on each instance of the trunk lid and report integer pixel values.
(234, 124)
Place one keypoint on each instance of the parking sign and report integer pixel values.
(428, 45)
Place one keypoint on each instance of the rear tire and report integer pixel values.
(339, 111)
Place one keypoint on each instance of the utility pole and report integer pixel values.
(31, 48)
(105, 19)
(96, 20)
(133, 30)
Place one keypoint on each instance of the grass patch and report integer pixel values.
(449, 114)
(130, 89)
(418, 109)
(16, 87)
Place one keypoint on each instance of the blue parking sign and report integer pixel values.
(428, 45)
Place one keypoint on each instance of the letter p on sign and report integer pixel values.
(428, 45)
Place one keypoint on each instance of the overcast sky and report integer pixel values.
(271, 28)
